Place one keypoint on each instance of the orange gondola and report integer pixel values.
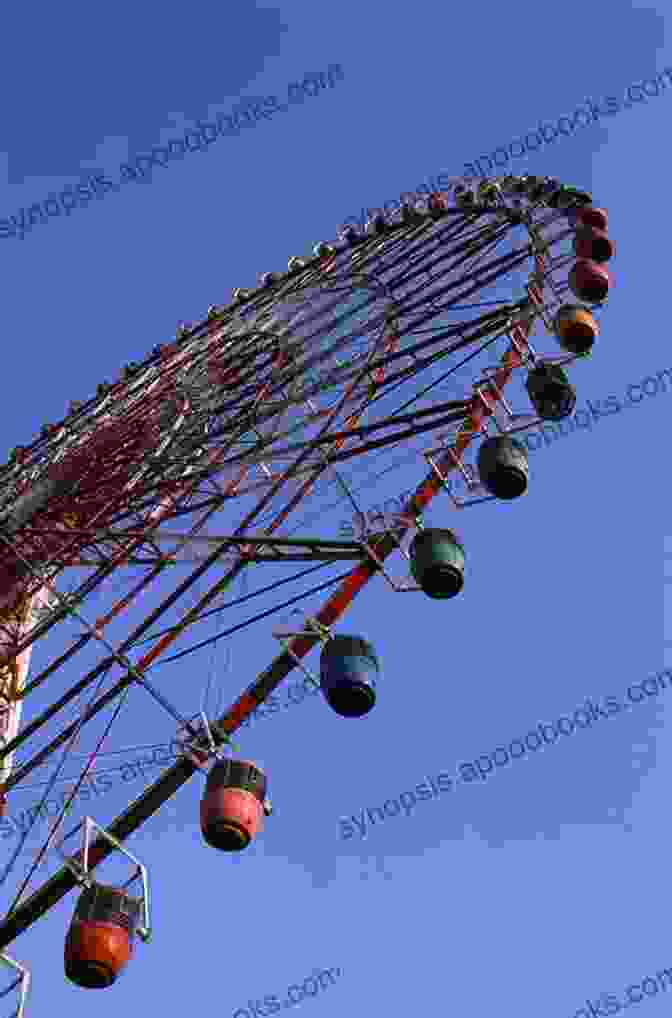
(576, 328)
(234, 804)
(99, 943)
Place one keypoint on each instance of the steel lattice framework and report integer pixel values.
(239, 423)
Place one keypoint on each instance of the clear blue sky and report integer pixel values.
(546, 884)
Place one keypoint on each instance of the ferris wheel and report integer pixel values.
(218, 452)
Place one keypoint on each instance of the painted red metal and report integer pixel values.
(96, 953)
(234, 811)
